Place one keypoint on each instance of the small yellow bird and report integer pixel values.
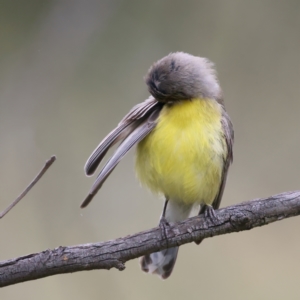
(184, 143)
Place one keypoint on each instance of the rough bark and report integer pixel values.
(113, 254)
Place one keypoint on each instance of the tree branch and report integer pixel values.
(47, 165)
(113, 254)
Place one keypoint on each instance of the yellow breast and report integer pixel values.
(183, 156)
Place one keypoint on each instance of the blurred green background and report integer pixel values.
(70, 70)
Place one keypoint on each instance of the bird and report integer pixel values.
(184, 139)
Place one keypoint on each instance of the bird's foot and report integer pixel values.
(210, 214)
(164, 225)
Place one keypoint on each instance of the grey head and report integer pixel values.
(182, 76)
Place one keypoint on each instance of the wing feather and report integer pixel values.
(229, 138)
(112, 138)
(141, 128)
(125, 127)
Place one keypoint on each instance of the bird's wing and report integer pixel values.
(142, 119)
(124, 128)
(229, 138)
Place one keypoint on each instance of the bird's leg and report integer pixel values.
(163, 223)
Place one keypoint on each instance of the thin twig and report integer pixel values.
(30, 186)
(114, 254)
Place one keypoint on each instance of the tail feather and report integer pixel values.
(162, 262)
